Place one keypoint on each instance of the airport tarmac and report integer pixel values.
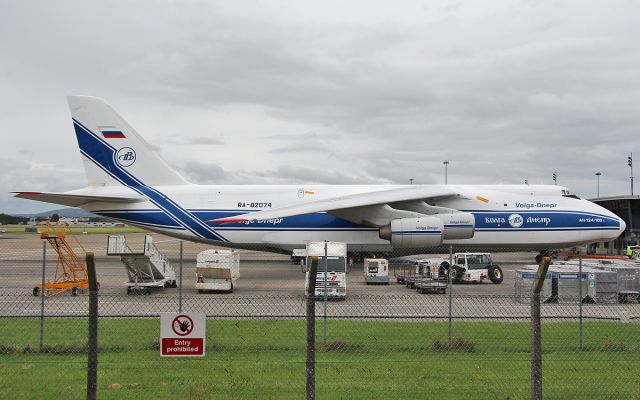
(269, 286)
(261, 272)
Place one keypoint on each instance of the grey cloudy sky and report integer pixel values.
(328, 92)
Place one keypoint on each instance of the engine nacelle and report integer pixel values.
(413, 232)
(458, 225)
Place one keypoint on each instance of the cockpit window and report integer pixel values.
(566, 193)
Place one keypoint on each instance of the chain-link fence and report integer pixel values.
(419, 336)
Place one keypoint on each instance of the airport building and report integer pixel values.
(627, 208)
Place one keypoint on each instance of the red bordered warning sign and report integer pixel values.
(182, 334)
(182, 325)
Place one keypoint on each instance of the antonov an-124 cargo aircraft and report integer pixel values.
(129, 182)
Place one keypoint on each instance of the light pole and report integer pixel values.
(630, 164)
(598, 178)
(446, 163)
(555, 177)
(410, 181)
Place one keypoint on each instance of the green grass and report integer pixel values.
(362, 359)
(93, 230)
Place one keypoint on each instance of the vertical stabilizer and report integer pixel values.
(112, 151)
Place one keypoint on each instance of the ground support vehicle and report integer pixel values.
(633, 252)
(331, 276)
(71, 270)
(473, 267)
(430, 285)
(217, 270)
(147, 269)
(400, 272)
(414, 274)
(376, 271)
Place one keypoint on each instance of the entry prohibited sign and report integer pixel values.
(182, 334)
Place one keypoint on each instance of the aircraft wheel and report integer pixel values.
(74, 291)
(495, 274)
(36, 291)
(443, 270)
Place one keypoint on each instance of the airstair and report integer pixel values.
(147, 269)
(71, 270)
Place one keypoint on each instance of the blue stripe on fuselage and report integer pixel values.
(557, 221)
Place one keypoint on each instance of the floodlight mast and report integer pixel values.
(630, 164)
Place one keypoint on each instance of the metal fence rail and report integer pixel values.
(386, 345)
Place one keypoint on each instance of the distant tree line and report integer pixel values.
(6, 219)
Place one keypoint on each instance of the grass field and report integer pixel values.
(361, 359)
(93, 230)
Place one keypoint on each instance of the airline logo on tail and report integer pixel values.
(126, 156)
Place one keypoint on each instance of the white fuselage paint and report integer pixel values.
(523, 217)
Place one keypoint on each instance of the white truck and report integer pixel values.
(473, 267)
(376, 271)
(332, 269)
(217, 270)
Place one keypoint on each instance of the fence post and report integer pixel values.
(580, 300)
(42, 293)
(536, 334)
(326, 261)
(92, 364)
(450, 287)
(180, 278)
(311, 328)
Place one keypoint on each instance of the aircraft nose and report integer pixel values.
(610, 222)
(623, 226)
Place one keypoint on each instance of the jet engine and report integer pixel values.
(459, 225)
(414, 232)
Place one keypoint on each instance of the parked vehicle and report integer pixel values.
(473, 267)
(333, 257)
(217, 270)
(376, 271)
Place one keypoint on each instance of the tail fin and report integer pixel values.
(112, 151)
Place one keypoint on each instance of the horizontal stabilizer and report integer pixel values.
(75, 200)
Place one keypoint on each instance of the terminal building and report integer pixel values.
(627, 208)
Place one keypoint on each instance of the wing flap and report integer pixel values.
(75, 200)
(346, 202)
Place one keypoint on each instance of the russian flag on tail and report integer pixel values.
(111, 132)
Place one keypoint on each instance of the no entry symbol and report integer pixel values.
(182, 325)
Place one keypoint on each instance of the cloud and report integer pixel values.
(506, 90)
(198, 140)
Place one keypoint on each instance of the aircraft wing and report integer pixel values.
(368, 208)
(75, 200)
